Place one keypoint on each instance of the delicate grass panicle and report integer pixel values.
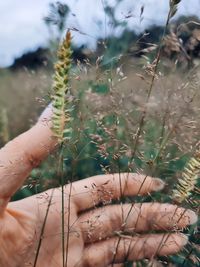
(186, 184)
(60, 89)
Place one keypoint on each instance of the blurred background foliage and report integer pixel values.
(108, 94)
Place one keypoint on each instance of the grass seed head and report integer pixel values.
(60, 89)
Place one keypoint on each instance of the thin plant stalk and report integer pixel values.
(143, 116)
(60, 119)
(42, 230)
(62, 182)
(68, 225)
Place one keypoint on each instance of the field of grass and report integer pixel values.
(22, 96)
(106, 118)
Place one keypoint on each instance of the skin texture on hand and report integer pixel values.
(94, 236)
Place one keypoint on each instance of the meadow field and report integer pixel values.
(108, 106)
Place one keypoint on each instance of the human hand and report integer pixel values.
(31, 229)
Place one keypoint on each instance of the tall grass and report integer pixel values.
(60, 119)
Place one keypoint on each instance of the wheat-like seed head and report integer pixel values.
(60, 88)
(173, 7)
(186, 184)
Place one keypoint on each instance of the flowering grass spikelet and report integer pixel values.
(173, 7)
(60, 89)
(186, 184)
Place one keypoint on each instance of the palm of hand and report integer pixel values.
(31, 229)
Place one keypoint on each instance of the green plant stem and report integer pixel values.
(68, 225)
(143, 116)
(42, 230)
(62, 182)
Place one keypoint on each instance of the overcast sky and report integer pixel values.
(22, 27)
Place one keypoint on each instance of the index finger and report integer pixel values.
(22, 154)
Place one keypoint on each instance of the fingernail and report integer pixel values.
(192, 217)
(158, 184)
(184, 239)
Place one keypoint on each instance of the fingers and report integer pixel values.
(119, 250)
(103, 188)
(23, 153)
(135, 218)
